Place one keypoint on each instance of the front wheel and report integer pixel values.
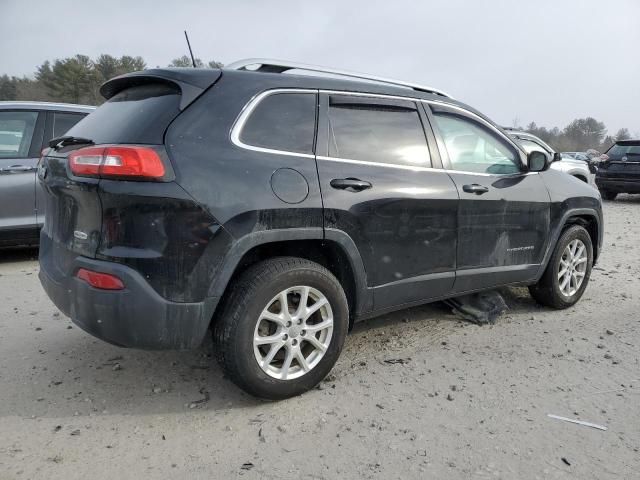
(568, 271)
(282, 327)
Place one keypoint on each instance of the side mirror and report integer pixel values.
(537, 161)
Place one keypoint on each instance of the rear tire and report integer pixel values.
(277, 352)
(568, 271)
(608, 195)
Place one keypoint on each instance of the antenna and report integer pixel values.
(193, 60)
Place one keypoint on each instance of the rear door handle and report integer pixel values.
(351, 184)
(20, 168)
(16, 169)
(475, 188)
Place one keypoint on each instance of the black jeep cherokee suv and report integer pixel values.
(278, 209)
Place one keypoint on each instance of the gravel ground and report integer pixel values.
(416, 394)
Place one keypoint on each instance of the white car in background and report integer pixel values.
(578, 168)
(575, 156)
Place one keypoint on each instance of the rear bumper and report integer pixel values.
(618, 185)
(135, 317)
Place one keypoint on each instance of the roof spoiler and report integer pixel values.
(192, 82)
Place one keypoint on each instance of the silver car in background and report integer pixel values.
(578, 168)
(25, 129)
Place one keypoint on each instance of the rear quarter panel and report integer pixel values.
(232, 183)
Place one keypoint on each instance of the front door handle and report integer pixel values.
(351, 184)
(475, 188)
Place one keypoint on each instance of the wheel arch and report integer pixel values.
(588, 218)
(335, 250)
(581, 177)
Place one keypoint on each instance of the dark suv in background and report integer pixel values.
(619, 171)
(278, 209)
(25, 129)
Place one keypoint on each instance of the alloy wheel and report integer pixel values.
(293, 332)
(572, 268)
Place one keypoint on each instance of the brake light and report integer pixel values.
(103, 281)
(117, 161)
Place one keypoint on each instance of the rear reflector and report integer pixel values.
(103, 281)
(117, 161)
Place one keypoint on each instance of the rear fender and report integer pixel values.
(363, 300)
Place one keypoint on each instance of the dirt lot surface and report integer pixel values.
(416, 394)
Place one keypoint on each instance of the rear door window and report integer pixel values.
(283, 122)
(138, 114)
(375, 130)
(16, 133)
(63, 121)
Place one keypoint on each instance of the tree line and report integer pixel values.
(77, 79)
(580, 135)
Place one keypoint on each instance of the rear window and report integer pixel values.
(138, 114)
(624, 150)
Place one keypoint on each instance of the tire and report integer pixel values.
(608, 195)
(250, 311)
(549, 289)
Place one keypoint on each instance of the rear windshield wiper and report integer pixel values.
(66, 140)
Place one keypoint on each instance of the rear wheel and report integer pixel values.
(568, 271)
(608, 195)
(282, 328)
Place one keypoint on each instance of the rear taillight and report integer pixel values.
(103, 281)
(117, 161)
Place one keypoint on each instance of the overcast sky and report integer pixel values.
(544, 60)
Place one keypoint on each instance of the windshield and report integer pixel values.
(530, 146)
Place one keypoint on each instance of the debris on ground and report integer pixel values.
(565, 461)
(479, 308)
(247, 466)
(202, 401)
(394, 361)
(200, 367)
(579, 422)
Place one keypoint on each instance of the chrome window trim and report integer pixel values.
(251, 105)
(247, 110)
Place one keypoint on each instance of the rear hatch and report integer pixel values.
(129, 127)
(623, 162)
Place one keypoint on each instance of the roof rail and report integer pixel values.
(279, 66)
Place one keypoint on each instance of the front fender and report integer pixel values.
(559, 227)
